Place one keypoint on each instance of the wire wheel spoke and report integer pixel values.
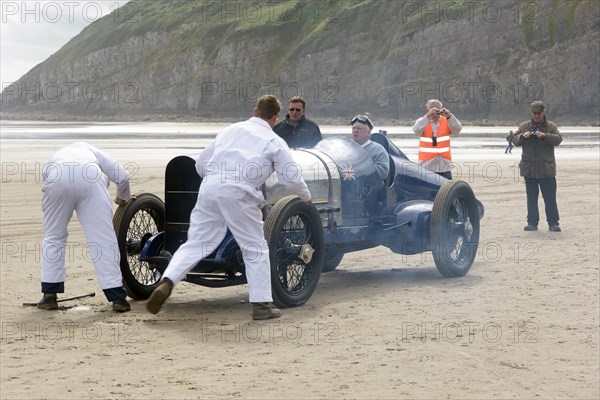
(459, 228)
(143, 224)
(293, 273)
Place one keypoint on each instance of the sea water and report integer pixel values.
(162, 141)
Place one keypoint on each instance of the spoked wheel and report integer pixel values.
(454, 228)
(294, 232)
(134, 224)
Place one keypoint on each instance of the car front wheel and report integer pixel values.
(294, 233)
(454, 228)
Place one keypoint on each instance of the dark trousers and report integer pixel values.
(548, 188)
(112, 294)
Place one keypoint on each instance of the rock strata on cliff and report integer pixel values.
(210, 60)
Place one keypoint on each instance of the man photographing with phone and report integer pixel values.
(538, 137)
(434, 130)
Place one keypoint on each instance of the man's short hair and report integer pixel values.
(434, 103)
(267, 106)
(298, 99)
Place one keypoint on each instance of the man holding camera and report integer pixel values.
(434, 130)
(538, 165)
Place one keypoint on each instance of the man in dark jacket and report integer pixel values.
(296, 129)
(538, 165)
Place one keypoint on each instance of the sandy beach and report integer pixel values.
(522, 324)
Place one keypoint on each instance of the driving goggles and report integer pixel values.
(363, 120)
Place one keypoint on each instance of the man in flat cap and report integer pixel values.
(538, 165)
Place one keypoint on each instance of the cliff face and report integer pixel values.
(202, 59)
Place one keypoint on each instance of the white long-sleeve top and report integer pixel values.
(453, 123)
(81, 160)
(244, 155)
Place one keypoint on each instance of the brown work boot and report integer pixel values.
(48, 302)
(159, 296)
(264, 311)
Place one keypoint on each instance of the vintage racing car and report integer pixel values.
(412, 211)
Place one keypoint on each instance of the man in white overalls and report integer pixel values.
(230, 197)
(76, 179)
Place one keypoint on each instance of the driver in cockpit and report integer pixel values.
(361, 134)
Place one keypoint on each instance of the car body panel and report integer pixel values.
(358, 210)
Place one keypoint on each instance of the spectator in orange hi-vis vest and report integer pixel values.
(435, 132)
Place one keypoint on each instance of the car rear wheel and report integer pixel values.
(454, 229)
(134, 223)
(294, 232)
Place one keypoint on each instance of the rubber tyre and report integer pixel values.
(454, 228)
(333, 258)
(293, 281)
(135, 222)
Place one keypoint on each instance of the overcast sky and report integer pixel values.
(31, 31)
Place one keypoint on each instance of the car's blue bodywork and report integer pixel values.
(358, 209)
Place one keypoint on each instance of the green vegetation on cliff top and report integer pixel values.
(300, 26)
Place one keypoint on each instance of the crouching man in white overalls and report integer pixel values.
(76, 179)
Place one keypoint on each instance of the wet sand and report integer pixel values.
(523, 323)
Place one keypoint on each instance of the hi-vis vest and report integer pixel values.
(427, 150)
